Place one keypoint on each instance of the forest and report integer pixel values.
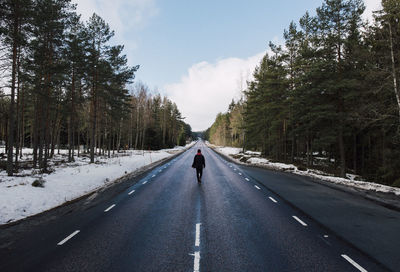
(328, 98)
(64, 85)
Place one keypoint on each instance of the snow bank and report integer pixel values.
(254, 159)
(68, 181)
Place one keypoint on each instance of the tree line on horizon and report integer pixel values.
(328, 98)
(65, 86)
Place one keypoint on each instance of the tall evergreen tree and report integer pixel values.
(14, 29)
(99, 33)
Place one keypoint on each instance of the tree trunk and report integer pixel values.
(137, 127)
(342, 153)
(10, 140)
(79, 142)
(93, 127)
(355, 153)
(119, 136)
(70, 119)
(395, 87)
(35, 131)
(22, 136)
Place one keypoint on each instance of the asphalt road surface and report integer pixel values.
(238, 219)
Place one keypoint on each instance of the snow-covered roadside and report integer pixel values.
(252, 158)
(18, 199)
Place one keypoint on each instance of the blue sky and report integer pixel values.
(188, 32)
(198, 53)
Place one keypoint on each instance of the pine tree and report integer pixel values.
(14, 29)
(98, 34)
(46, 69)
(75, 62)
(335, 20)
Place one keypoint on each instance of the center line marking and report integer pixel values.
(197, 241)
(273, 200)
(109, 208)
(144, 182)
(68, 237)
(196, 264)
(356, 265)
(258, 188)
(247, 179)
(298, 220)
(131, 192)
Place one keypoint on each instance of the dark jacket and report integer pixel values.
(199, 162)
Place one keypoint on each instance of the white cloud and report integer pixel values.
(121, 15)
(208, 88)
(371, 5)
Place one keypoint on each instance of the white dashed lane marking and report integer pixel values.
(300, 221)
(258, 188)
(144, 182)
(109, 208)
(247, 179)
(196, 262)
(197, 241)
(273, 200)
(196, 265)
(68, 237)
(356, 265)
(131, 192)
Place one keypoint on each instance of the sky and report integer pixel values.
(199, 53)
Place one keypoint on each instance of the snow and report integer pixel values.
(68, 181)
(349, 181)
(232, 150)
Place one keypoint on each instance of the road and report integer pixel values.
(234, 221)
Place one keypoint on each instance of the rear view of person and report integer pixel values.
(199, 163)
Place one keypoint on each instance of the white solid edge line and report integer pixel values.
(247, 179)
(196, 264)
(300, 221)
(131, 192)
(68, 237)
(356, 265)
(197, 241)
(109, 208)
(273, 200)
(144, 182)
(258, 188)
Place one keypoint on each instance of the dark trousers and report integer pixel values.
(199, 172)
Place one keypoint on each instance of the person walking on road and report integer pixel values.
(199, 163)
